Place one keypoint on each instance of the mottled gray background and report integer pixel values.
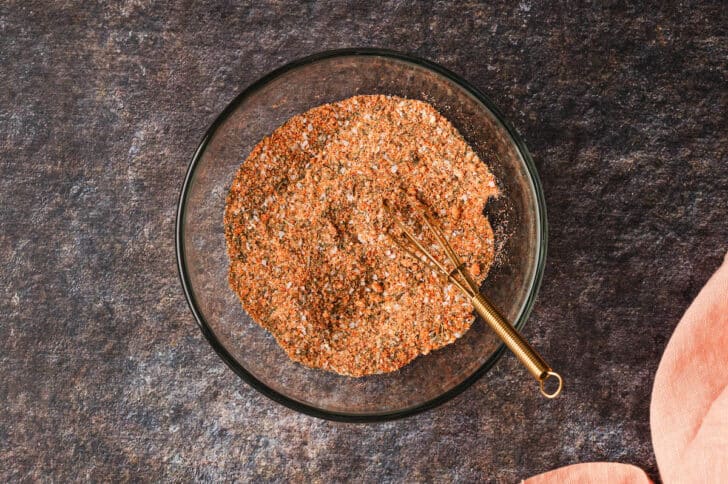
(105, 375)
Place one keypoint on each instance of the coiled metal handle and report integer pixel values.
(515, 342)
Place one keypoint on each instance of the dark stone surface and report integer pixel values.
(105, 376)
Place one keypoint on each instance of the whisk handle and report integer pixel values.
(515, 342)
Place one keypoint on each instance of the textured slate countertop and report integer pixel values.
(105, 375)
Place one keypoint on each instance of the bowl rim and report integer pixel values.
(226, 356)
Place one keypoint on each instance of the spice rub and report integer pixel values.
(306, 233)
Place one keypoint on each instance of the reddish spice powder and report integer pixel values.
(306, 233)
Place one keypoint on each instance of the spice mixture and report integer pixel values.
(307, 233)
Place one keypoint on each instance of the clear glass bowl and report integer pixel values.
(518, 218)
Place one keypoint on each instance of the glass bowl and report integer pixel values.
(517, 215)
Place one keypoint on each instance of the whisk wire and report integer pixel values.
(467, 289)
(452, 255)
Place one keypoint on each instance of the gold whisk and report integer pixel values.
(461, 278)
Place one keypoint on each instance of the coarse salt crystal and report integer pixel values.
(394, 168)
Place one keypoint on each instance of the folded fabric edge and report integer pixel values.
(592, 472)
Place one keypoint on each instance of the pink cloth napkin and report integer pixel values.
(689, 410)
(593, 472)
